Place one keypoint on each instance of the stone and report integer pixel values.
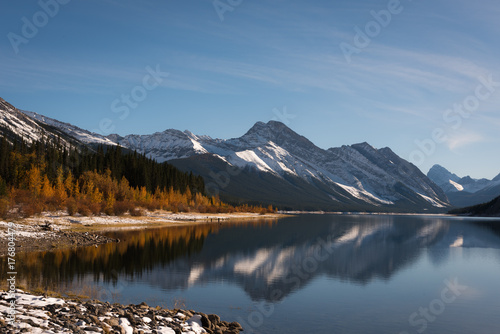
(214, 318)
(231, 331)
(131, 318)
(235, 325)
(113, 322)
(92, 328)
(94, 319)
(72, 318)
(205, 322)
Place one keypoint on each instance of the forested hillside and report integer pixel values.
(491, 209)
(47, 176)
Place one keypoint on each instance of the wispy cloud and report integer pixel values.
(460, 140)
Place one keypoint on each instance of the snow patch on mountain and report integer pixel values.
(249, 158)
(458, 186)
(364, 195)
(432, 201)
(198, 148)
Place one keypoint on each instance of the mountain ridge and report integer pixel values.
(18, 126)
(284, 164)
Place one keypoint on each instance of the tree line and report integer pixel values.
(47, 176)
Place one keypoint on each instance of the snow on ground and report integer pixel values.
(50, 225)
(60, 220)
(38, 314)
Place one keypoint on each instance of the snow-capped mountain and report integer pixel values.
(464, 191)
(271, 164)
(349, 176)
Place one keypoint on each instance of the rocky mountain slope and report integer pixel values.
(16, 126)
(82, 135)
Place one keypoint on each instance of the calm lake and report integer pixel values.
(303, 274)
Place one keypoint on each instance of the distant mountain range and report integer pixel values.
(269, 164)
(464, 191)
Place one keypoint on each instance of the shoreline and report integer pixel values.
(42, 314)
(58, 230)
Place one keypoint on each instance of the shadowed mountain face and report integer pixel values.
(268, 260)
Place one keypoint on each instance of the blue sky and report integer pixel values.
(424, 81)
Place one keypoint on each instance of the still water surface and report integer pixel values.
(303, 274)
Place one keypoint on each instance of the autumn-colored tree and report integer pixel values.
(47, 188)
(69, 184)
(34, 181)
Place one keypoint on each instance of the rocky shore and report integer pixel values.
(29, 238)
(39, 314)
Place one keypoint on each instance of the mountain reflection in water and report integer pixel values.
(268, 259)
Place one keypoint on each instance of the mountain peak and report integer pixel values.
(268, 131)
(441, 176)
(270, 126)
(438, 167)
(363, 146)
(278, 133)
